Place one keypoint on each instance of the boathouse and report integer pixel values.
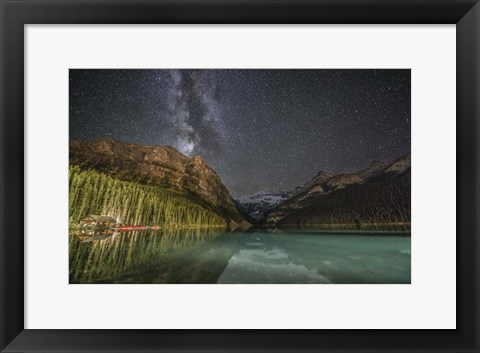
(97, 221)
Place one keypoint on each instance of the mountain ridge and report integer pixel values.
(391, 186)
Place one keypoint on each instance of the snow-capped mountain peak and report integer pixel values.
(255, 205)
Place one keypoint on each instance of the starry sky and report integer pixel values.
(261, 130)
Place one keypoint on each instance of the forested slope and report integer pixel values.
(132, 203)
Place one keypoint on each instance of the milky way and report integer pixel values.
(261, 130)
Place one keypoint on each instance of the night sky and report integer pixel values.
(261, 130)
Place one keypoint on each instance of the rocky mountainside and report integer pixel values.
(398, 167)
(373, 169)
(376, 194)
(162, 166)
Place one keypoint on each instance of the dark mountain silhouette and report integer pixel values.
(377, 194)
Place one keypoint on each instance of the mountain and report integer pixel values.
(318, 179)
(254, 207)
(377, 194)
(161, 166)
(399, 166)
(373, 169)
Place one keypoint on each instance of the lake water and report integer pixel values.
(254, 256)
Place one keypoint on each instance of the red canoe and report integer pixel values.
(127, 228)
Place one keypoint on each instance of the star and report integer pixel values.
(260, 129)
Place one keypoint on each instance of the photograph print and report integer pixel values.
(239, 176)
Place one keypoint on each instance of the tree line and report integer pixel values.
(132, 253)
(92, 192)
(386, 202)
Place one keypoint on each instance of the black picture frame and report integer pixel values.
(17, 13)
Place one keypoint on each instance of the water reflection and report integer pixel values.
(272, 266)
(211, 255)
(94, 234)
(116, 256)
(313, 256)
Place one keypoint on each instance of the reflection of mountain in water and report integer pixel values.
(256, 256)
(255, 265)
(320, 257)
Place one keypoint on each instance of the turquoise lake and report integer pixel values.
(208, 256)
